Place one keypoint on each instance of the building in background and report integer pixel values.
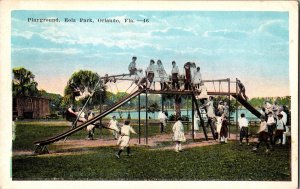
(30, 107)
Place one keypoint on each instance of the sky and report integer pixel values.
(252, 46)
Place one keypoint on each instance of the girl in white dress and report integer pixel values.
(178, 137)
(197, 78)
(162, 75)
(196, 122)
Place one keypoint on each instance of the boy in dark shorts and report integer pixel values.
(262, 134)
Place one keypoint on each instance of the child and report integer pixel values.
(226, 109)
(72, 115)
(113, 125)
(193, 71)
(242, 90)
(243, 124)
(280, 127)
(175, 74)
(218, 126)
(187, 76)
(150, 73)
(84, 94)
(196, 122)
(132, 66)
(271, 124)
(162, 74)
(81, 114)
(286, 130)
(163, 120)
(221, 107)
(178, 137)
(197, 78)
(90, 128)
(263, 134)
(124, 138)
(224, 129)
(211, 113)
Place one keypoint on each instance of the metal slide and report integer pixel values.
(247, 105)
(96, 118)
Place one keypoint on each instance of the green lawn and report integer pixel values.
(217, 162)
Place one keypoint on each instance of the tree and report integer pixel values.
(55, 100)
(23, 83)
(85, 80)
(153, 108)
(177, 103)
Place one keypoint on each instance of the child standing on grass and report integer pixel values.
(163, 120)
(224, 129)
(124, 138)
(178, 137)
(280, 127)
(262, 134)
(196, 123)
(113, 125)
(243, 124)
(271, 125)
(219, 121)
(91, 128)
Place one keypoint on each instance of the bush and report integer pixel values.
(172, 118)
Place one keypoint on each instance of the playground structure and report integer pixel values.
(41, 146)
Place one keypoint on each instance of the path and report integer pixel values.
(155, 143)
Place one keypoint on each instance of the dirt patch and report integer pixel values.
(159, 142)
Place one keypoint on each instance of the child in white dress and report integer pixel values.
(178, 137)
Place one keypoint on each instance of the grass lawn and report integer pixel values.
(216, 162)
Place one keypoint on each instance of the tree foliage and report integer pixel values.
(23, 83)
(55, 100)
(153, 108)
(85, 80)
(258, 102)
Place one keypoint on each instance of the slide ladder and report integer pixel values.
(199, 114)
(41, 145)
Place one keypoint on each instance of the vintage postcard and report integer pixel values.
(149, 94)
